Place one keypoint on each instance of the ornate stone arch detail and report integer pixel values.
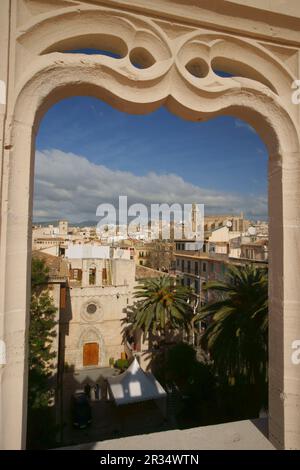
(179, 72)
(91, 314)
(91, 269)
(90, 334)
(194, 56)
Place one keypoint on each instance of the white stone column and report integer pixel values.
(284, 301)
(4, 66)
(15, 271)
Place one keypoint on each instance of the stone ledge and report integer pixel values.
(238, 435)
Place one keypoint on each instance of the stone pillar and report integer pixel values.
(284, 301)
(4, 65)
(15, 271)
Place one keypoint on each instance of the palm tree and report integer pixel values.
(237, 332)
(162, 305)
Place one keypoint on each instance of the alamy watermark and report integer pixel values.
(296, 352)
(296, 93)
(158, 221)
(2, 353)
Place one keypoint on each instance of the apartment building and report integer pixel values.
(197, 263)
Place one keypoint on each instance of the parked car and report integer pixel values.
(81, 410)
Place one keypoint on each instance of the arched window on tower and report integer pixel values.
(104, 276)
(92, 276)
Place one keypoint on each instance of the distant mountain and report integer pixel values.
(84, 223)
(43, 223)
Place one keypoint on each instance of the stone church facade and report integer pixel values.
(91, 325)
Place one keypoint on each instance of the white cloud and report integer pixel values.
(69, 185)
(262, 152)
(244, 125)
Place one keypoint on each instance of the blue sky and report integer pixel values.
(152, 156)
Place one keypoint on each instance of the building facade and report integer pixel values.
(196, 264)
(99, 291)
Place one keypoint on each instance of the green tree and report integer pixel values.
(162, 305)
(237, 332)
(39, 273)
(41, 334)
(195, 384)
(183, 368)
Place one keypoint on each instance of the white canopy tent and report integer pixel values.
(134, 385)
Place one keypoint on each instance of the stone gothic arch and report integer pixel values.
(90, 334)
(164, 61)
